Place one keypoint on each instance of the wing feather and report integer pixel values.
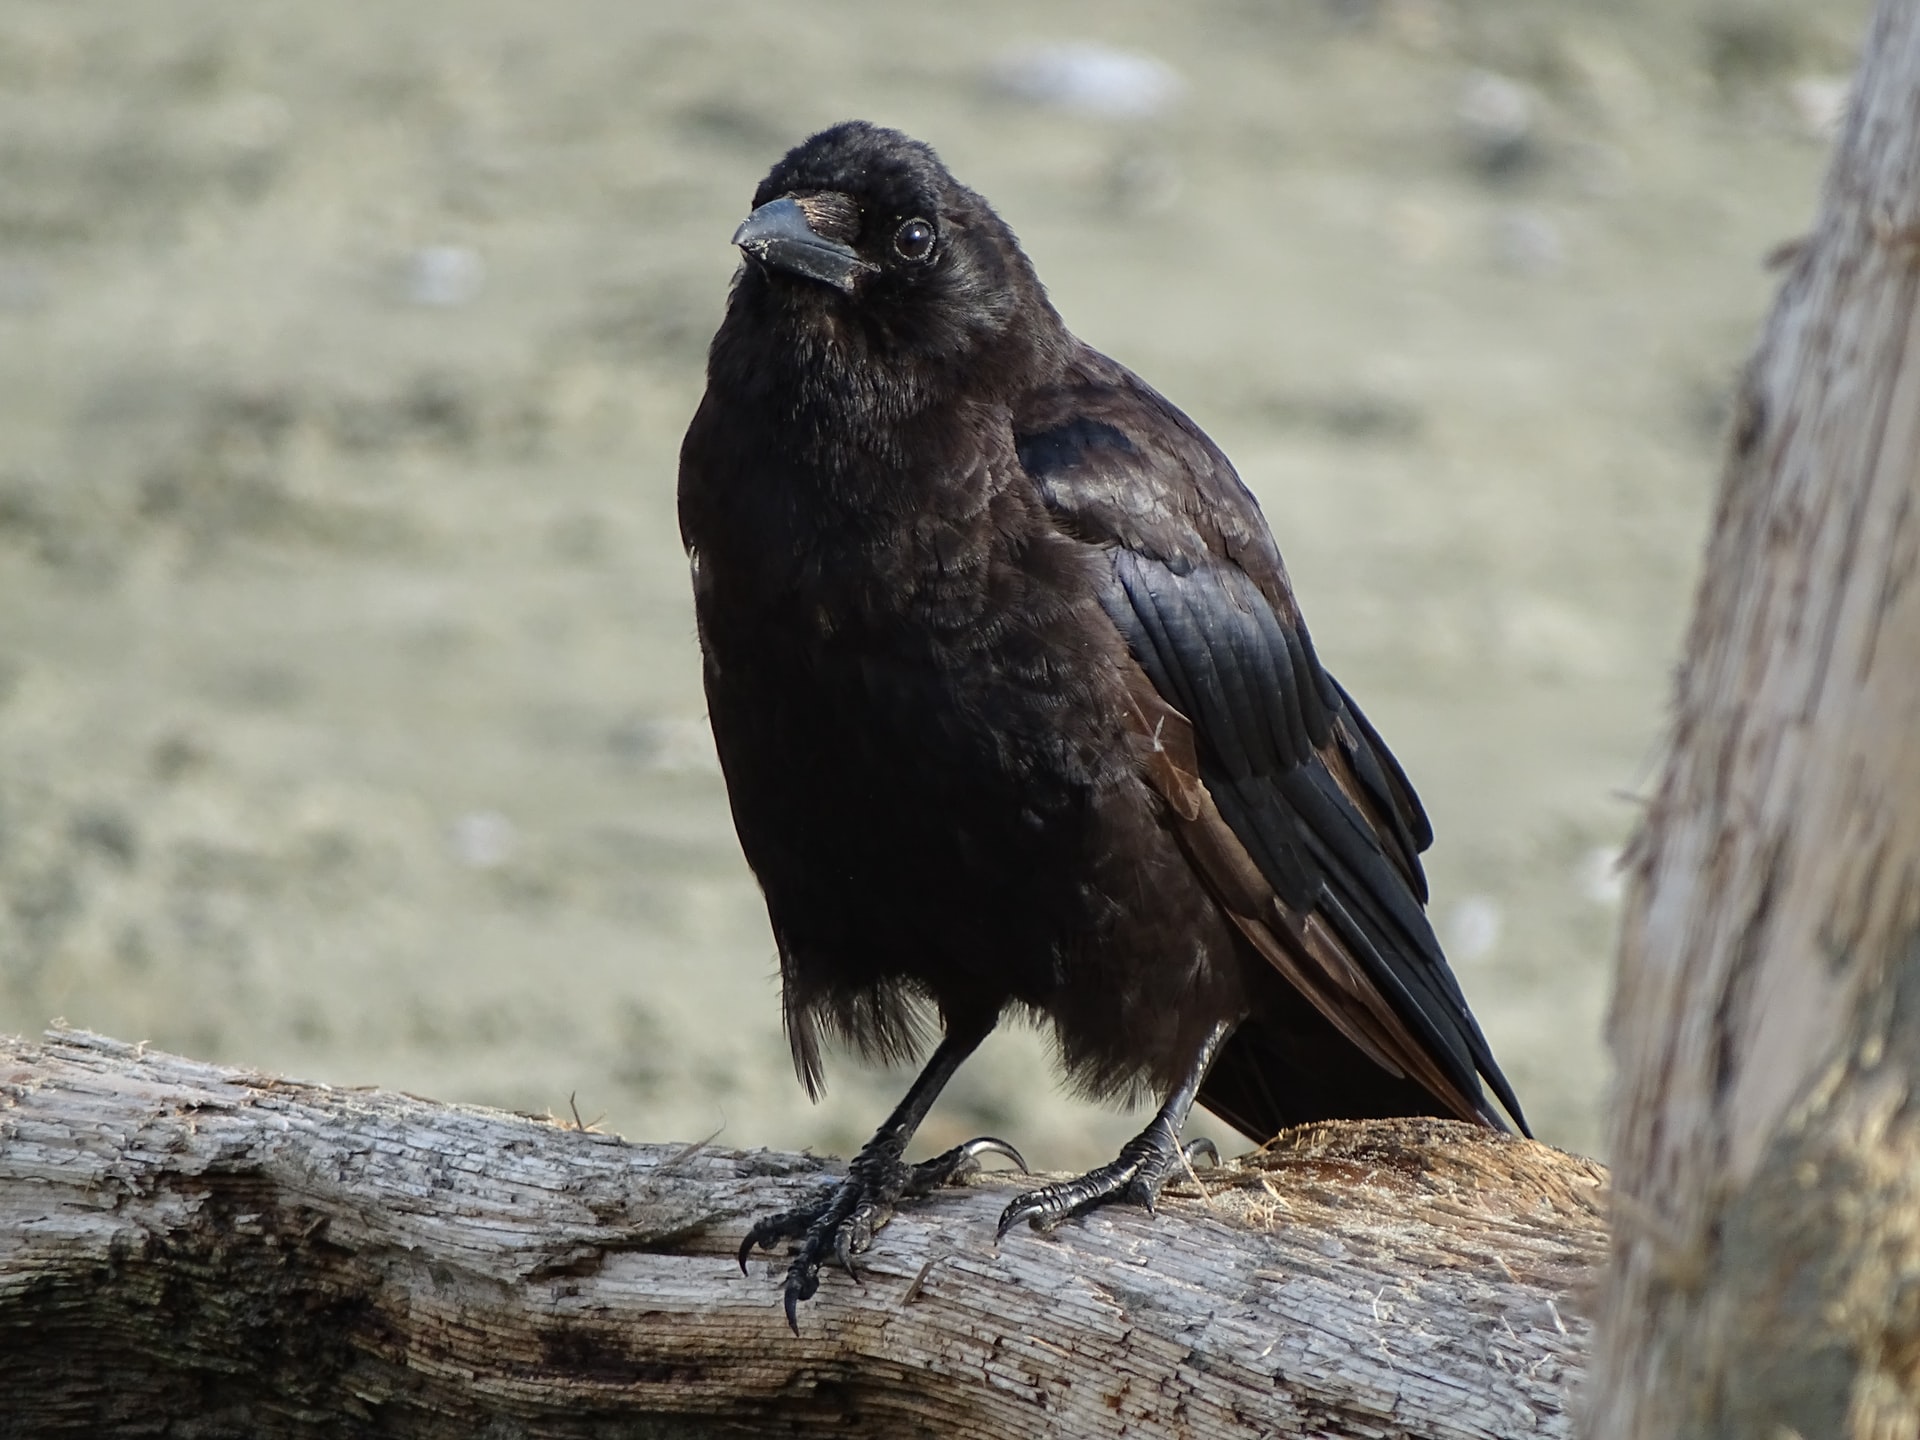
(1283, 795)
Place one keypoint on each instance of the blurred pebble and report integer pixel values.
(444, 275)
(1598, 876)
(178, 753)
(484, 839)
(108, 831)
(1527, 242)
(1752, 44)
(1090, 78)
(1820, 102)
(1497, 118)
(1473, 927)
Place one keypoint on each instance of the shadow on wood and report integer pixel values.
(195, 1250)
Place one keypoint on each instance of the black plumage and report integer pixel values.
(1018, 713)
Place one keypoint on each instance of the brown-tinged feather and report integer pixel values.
(1299, 947)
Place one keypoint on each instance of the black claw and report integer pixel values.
(1012, 1216)
(767, 1233)
(1202, 1146)
(988, 1145)
(845, 1220)
(1136, 1176)
(849, 1241)
(950, 1167)
(802, 1281)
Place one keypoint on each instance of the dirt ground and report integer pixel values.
(350, 721)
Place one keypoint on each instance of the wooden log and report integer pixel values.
(1766, 1021)
(192, 1250)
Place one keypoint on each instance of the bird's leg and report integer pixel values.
(845, 1220)
(1144, 1164)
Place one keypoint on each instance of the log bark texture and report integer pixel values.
(1766, 1022)
(190, 1250)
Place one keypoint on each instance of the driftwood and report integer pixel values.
(1766, 1135)
(192, 1250)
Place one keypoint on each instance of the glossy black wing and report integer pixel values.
(1302, 779)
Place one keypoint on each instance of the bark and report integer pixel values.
(1766, 1022)
(189, 1250)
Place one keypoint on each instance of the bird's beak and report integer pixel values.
(778, 234)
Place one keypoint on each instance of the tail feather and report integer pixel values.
(1286, 1065)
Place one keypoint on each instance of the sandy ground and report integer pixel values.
(349, 707)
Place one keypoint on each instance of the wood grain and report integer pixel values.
(186, 1249)
(1766, 1019)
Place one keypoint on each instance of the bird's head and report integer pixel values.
(861, 239)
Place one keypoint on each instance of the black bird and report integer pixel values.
(1018, 714)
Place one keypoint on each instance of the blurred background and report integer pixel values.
(350, 714)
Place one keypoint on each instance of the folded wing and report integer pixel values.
(1286, 800)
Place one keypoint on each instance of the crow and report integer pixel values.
(1018, 715)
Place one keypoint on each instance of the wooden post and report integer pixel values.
(1766, 1022)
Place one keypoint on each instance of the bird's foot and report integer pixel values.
(950, 1167)
(1145, 1163)
(844, 1222)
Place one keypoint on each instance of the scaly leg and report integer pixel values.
(1143, 1166)
(845, 1220)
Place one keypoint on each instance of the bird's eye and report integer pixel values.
(914, 240)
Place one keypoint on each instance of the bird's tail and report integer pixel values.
(1288, 1066)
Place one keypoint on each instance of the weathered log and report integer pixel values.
(192, 1250)
(1766, 1021)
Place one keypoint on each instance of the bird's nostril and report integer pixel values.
(831, 215)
